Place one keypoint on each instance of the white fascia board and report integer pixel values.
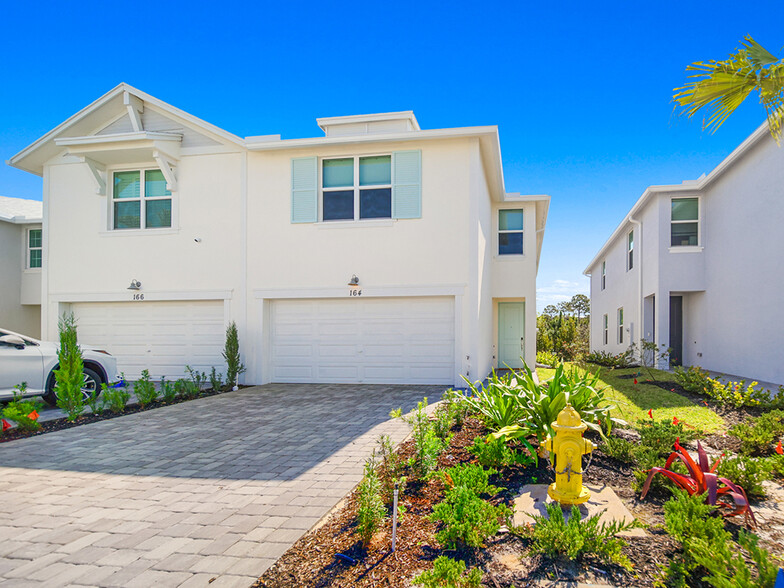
(694, 186)
(366, 118)
(21, 220)
(118, 138)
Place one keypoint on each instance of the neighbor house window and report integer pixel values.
(604, 329)
(604, 274)
(620, 325)
(684, 223)
(630, 251)
(140, 200)
(510, 232)
(34, 245)
(356, 188)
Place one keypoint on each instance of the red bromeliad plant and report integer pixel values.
(721, 492)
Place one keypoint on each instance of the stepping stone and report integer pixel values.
(533, 498)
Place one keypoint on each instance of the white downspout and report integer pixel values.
(638, 246)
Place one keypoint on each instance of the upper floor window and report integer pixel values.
(605, 331)
(604, 274)
(510, 232)
(34, 248)
(630, 251)
(140, 200)
(356, 188)
(620, 325)
(684, 222)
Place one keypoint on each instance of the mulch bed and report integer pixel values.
(61, 423)
(317, 559)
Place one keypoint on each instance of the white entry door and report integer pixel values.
(363, 340)
(162, 337)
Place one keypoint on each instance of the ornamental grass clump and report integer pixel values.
(69, 377)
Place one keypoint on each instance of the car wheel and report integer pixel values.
(92, 381)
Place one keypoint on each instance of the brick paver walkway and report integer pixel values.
(216, 488)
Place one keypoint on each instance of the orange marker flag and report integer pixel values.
(7, 425)
(33, 415)
(675, 420)
(635, 380)
(779, 448)
(650, 413)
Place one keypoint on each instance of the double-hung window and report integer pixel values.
(605, 331)
(684, 222)
(510, 232)
(356, 188)
(604, 275)
(140, 200)
(34, 248)
(630, 251)
(620, 325)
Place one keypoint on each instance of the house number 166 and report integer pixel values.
(138, 296)
(355, 292)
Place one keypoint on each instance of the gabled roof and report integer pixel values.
(687, 186)
(20, 210)
(89, 121)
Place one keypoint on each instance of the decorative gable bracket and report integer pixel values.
(135, 107)
(166, 163)
(97, 173)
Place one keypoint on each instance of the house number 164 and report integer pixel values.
(355, 292)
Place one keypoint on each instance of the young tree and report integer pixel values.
(69, 377)
(721, 86)
(231, 353)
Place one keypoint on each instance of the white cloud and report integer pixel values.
(558, 291)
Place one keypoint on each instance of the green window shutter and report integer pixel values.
(304, 190)
(407, 184)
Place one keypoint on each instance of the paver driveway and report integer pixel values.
(214, 488)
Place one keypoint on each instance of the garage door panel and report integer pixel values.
(162, 337)
(370, 340)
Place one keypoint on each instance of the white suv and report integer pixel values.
(24, 359)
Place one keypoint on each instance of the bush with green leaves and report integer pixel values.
(757, 435)
(747, 472)
(95, 401)
(216, 380)
(547, 358)
(231, 354)
(661, 435)
(709, 553)
(19, 409)
(574, 538)
(605, 359)
(444, 421)
(471, 476)
(195, 383)
(449, 573)
(734, 394)
(459, 408)
(371, 512)
(502, 401)
(466, 519)
(144, 389)
(115, 398)
(495, 453)
(168, 390)
(428, 446)
(69, 376)
(618, 448)
(391, 469)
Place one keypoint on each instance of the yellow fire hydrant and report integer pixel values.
(568, 447)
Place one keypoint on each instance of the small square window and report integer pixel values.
(141, 204)
(510, 232)
(684, 222)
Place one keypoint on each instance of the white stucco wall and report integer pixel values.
(14, 279)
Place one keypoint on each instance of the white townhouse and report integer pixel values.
(20, 265)
(376, 253)
(699, 267)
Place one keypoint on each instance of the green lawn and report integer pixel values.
(634, 400)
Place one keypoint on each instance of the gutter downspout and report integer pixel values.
(638, 225)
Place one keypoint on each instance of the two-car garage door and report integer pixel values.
(162, 337)
(408, 340)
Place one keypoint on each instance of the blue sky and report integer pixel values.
(581, 91)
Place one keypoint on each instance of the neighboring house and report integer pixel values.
(378, 253)
(698, 267)
(20, 265)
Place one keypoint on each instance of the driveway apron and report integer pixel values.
(213, 489)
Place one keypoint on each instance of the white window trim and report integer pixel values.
(27, 249)
(603, 276)
(605, 329)
(356, 187)
(630, 251)
(142, 208)
(498, 253)
(620, 325)
(698, 246)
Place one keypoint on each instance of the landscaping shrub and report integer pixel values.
(776, 465)
(370, 510)
(618, 448)
(391, 469)
(661, 435)
(553, 535)
(144, 389)
(444, 421)
(747, 472)
(168, 390)
(694, 379)
(231, 353)
(216, 380)
(69, 377)
(193, 387)
(547, 358)
(495, 453)
(428, 445)
(466, 519)
(734, 394)
(758, 434)
(460, 408)
(603, 358)
(448, 573)
(183, 388)
(502, 401)
(95, 401)
(24, 412)
(470, 476)
(116, 399)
